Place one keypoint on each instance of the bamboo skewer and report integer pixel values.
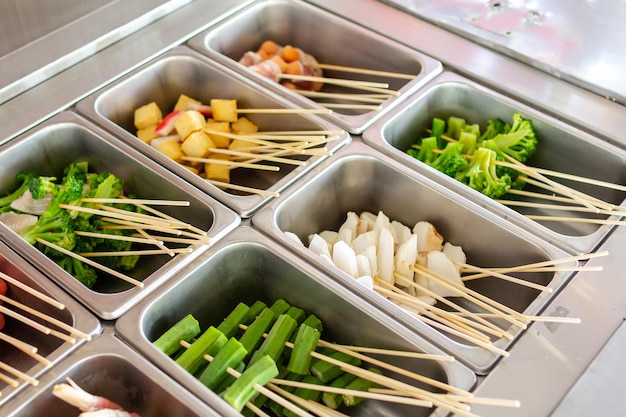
(364, 394)
(284, 111)
(37, 326)
(474, 400)
(553, 319)
(505, 277)
(576, 220)
(421, 308)
(157, 243)
(401, 371)
(364, 71)
(543, 206)
(26, 348)
(243, 188)
(19, 374)
(335, 81)
(92, 263)
(149, 241)
(300, 132)
(399, 353)
(566, 176)
(14, 383)
(121, 214)
(539, 264)
(476, 297)
(135, 252)
(366, 98)
(136, 201)
(232, 164)
(258, 156)
(52, 320)
(349, 106)
(495, 330)
(32, 291)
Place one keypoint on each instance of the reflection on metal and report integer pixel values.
(47, 40)
(572, 40)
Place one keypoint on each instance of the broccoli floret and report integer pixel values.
(82, 272)
(481, 174)
(55, 229)
(41, 186)
(425, 151)
(494, 127)
(451, 160)
(25, 178)
(520, 142)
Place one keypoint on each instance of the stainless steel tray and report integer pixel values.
(360, 179)
(291, 22)
(68, 137)
(184, 71)
(107, 367)
(561, 148)
(51, 347)
(247, 266)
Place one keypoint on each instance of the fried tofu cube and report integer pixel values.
(184, 101)
(147, 133)
(219, 140)
(243, 126)
(171, 149)
(197, 144)
(217, 172)
(147, 115)
(189, 122)
(224, 110)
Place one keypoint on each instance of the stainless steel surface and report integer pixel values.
(184, 71)
(357, 179)
(545, 365)
(568, 40)
(62, 90)
(107, 367)
(52, 348)
(561, 148)
(247, 266)
(534, 87)
(291, 22)
(46, 38)
(67, 138)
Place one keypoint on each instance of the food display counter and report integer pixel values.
(71, 79)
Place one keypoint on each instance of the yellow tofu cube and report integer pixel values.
(197, 145)
(217, 172)
(148, 114)
(184, 101)
(171, 149)
(219, 140)
(244, 126)
(189, 122)
(147, 133)
(191, 168)
(224, 110)
(241, 144)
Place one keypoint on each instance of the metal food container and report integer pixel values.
(359, 179)
(67, 138)
(106, 367)
(561, 148)
(247, 266)
(184, 71)
(331, 40)
(51, 347)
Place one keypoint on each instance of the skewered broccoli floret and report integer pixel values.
(54, 228)
(5, 202)
(481, 174)
(494, 127)
(82, 272)
(425, 152)
(41, 186)
(451, 160)
(520, 141)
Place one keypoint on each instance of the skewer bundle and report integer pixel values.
(420, 272)
(327, 375)
(212, 140)
(27, 316)
(301, 72)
